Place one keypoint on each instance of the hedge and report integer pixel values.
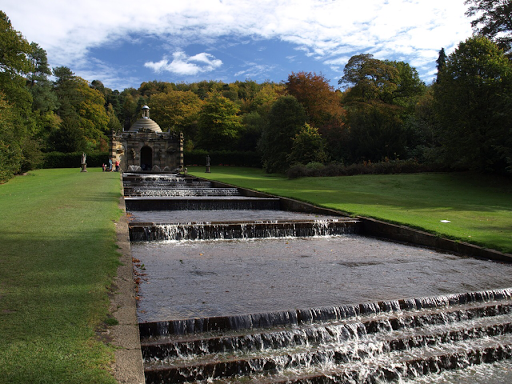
(365, 168)
(73, 160)
(235, 158)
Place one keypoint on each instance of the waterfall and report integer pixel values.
(372, 342)
(233, 230)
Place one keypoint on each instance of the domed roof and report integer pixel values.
(145, 124)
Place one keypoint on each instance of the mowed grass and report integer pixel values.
(57, 260)
(478, 207)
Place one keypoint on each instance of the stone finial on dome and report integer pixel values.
(145, 112)
(145, 124)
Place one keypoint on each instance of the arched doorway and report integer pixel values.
(146, 158)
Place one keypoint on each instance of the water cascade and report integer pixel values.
(373, 342)
(177, 192)
(242, 230)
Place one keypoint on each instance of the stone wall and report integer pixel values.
(149, 149)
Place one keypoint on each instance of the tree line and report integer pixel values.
(382, 111)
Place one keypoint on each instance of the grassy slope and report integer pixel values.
(57, 258)
(479, 208)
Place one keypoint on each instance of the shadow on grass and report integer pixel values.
(54, 290)
(54, 279)
(107, 196)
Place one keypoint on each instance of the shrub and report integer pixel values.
(364, 168)
(237, 158)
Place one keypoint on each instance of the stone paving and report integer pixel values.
(213, 278)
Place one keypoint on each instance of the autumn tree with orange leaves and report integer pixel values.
(319, 99)
(322, 104)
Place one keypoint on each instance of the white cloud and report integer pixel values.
(182, 64)
(254, 70)
(325, 30)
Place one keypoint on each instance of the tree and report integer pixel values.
(256, 102)
(44, 100)
(14, 50)
(369, 79)
(383, 95)
(114, 125)
(11, 135)
(266, 97)
(247, 91)
(14, 66)
(318, 98)
(285, 119)
(422, 130)
(68, 138)
(441, 60)
(376, 131)
(323, 108)
(128, 107)
(175, 110)
(81, 107)
(493, 20)
(474, 103)
(219, 125)
(253, 124)
(17, 122)
(409, 86)
(308, 146)
(150, 88)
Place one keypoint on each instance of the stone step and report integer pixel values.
(364, 343)
(360, 361)
(180, 190)
(200, 203)
(486, 299)
(243, 230)
(449, 325)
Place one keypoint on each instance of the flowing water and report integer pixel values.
(250, 293)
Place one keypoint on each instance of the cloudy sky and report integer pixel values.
(125, 42)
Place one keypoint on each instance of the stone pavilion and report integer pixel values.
(145, 145)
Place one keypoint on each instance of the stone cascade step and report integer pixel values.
(201, 203)
(131, 183)
(368, 343)
(243, 230)
(180, 191)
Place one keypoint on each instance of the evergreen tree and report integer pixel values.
(441, 60)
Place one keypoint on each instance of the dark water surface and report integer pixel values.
(184, 216)
(214, 278)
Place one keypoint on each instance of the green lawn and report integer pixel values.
(478, 208)
(57, 258)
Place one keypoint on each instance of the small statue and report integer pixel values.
(83, 164)
(207, 164)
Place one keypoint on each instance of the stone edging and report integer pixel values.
(128, 366)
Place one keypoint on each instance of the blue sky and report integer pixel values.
(125, 42)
